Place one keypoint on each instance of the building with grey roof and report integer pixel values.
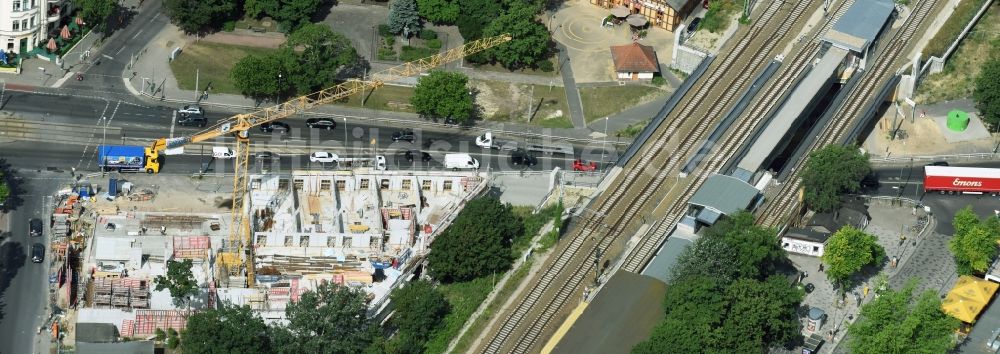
(858, 29)
(719, 195)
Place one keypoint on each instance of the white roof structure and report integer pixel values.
(949, 171)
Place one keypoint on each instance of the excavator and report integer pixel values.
(237, 256)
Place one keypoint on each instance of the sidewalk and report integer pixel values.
(41, 72)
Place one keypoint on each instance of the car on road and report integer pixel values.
(580, 165)
(265, 155)
(37, 253)
(321, 123)
(322, 157)
(192, 120)
(938, 163)
(281, 127)
(520, 157)
(35, 227)
(190, 109)
(411, 155)
(403, 135)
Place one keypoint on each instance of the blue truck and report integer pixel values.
(128, 158)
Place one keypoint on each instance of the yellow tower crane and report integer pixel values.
(237, 254)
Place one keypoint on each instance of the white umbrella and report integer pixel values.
(636, 20)
(619, 11)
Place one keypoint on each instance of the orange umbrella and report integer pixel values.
(52, 45)
(79, 21)
(65, 32)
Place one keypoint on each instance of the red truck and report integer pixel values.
(971, 180)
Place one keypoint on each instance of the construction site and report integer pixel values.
(362, 228)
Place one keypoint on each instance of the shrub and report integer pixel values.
(427, 34)
(546, 66)
(659, 80)
(229, 26)
(413, 53)
(386, 54)
(383, 30)
(434, 44)
(388, 41)
(953, 27)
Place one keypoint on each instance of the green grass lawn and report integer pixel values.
(464, 298)
(603, 101)
(211, 62)
(388, 98)
(477, 326)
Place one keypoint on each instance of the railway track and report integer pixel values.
(636, 260)
(775, 212)
(648, 173)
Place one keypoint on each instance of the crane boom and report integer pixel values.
(238, 252)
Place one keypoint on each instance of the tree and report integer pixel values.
(4, 189)
(295, 14)
(199, 16)
(707, 316)
(259, 8)
(732, 249)
(847, 251)
(974, 244)
(831, 171)
(227, 329)
(477, 243)
(257, 75)
(420, 308)
(893, 323)
(442, 12)
(95, 11)
(331, 318)
(476, 15)
(987, 90)
(179, 280)
(530, 41)
(325, 54)
(403, 17)
(443, 94)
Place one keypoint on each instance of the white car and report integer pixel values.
(322, 157)
(190, 109)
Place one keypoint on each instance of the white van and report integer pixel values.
(460, 161)
(222, 152)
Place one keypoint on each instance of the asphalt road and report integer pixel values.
(906, 181)
(23, 284)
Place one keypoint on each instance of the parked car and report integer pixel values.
(37, 253)
(190, 109)
(580, 165)
(321, 123)
(322, 157)
(281, 127)
(693, 26)
(403, 135)
(938, 163)
(192, 120)
(520, 157)
(410, 155)
(35, 227)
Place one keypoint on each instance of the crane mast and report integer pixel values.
(237, 254)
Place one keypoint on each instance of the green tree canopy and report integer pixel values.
(227, 329)
(530, 42)
(476, 14)
(442, 12)
(731, 249)
(706, 316)
(328, 319)
(894, 324)
(324, 55)
(95, 11)
(199, 16)
(987, 90)
(847, 251)
(179, 280)
(419, 309)
(443, 94)
(477, 243)
(974, 244)
(403, 17)
(292, 14)
(257, 75)
(831, 171)
(4, 189)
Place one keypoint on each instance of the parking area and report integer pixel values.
(577, 25)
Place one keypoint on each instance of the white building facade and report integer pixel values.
(26, 23)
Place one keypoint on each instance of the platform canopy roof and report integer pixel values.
(724, 194)
(859, 26)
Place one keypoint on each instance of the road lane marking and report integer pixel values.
(136, 34)
(173, 122)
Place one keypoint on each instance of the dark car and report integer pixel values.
(520, 157)
(693, 25)
(37, 253)
(321, 123)
(403, 135)
(425, 157)
(281, 127)
(192, 120)
(938, 163)
(265, 155)
(870, 182)
(35, 227)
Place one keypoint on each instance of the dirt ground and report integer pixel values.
(922, 138)
(247, 38)
(511, 101)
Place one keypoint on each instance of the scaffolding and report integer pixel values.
(192, 247)
(125, 293)
(183, 222)
(147, 321)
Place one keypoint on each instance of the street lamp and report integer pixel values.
(278, 101)
(604, 144)
(345, 133)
